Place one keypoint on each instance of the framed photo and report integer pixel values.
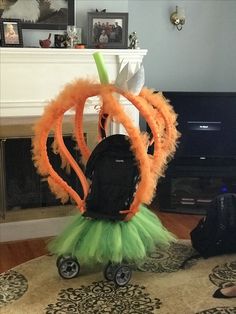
(43, 14)
(107, 30)
(11, 33)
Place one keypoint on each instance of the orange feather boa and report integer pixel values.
(153, 107)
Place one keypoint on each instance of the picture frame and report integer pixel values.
(46, 14)
(11, 33)
(107, 30)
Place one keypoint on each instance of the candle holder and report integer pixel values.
(72, 34)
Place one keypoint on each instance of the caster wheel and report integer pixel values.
(109, 271)
(68, 268)
(122, 275)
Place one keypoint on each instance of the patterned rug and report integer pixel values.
(163, 284)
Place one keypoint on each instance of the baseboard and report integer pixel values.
(30, 229)
(190, 211)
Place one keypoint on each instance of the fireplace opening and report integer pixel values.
(24, 195)
(24, 187)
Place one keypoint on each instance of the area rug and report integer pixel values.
(163, 284)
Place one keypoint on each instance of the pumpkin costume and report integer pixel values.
(132, 237)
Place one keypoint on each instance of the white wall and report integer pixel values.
(201, 57)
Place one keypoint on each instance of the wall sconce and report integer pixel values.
(178, 18)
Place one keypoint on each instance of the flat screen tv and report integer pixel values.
(207, 122)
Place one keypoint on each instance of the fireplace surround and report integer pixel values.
(30, 77)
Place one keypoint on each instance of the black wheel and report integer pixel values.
(60, 259)
(122, 275)
(109, 271)
(68, 267)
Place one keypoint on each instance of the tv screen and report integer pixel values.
(207, 122)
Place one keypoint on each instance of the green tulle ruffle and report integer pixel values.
(94, 241)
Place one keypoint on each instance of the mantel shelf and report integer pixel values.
(39, 55)
(68, 51)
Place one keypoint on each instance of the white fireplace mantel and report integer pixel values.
(30, 77)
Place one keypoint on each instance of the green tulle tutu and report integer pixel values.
(94, 241)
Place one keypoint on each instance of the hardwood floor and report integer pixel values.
(179, 224)
(15, 253)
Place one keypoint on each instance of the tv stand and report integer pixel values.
(205, 160)
(190, 184)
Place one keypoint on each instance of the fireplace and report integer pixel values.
(24, 195)
(30, 78)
